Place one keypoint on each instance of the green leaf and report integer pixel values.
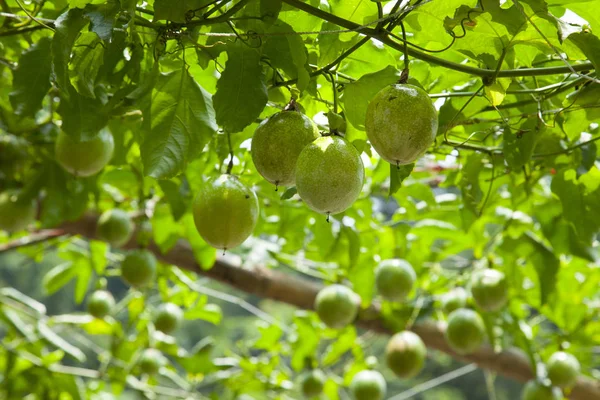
(58, 277)
(357, 95)
(102, 18)
(59, 342)
(589, 44)
(518, 146)
(68, 26)
(397, 175)
(546, 264)
(178, 124)
(269, 10)
(87, 58)
(207, 312)
(241, 90)
(289, 193)
(177, 10)
(178, 196)
(83, 117)
(286, 50)
(98, 251)
(31, 78)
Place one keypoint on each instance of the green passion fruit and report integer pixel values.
(312, 383)
(115, 227)
(563, 369)
(329, 175)
(394, 279)
(454, 299)
(101, 303)
(151, 361)
(277, 143)
(401, 123)
(167, 318)
(225, 212)
(489, 289)
(84, 158)
(405, 354)
(466, 331)
(138, 268)
(16, 213)
(337, 305)
(536, 390)
(368, 385)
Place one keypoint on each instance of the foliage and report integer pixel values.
(511, 182)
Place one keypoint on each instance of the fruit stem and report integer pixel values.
(291, 106)
(404, 74)
(230, 165)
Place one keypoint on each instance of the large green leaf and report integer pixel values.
(179, 122)
(31, 78)
(68, 26)
(178, 10)
(241, 90)
(87, 58)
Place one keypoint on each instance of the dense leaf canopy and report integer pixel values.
(511, 182)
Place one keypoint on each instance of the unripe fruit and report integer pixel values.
(115, 227)
(489, 289)
(454, 299)
(337, 306)
(225, 212)
(368, 385)
(466, 331)
(167, 318)
(394, 279)
(401, 123)
(405, 354)
(84, 158)
(329, 175)
(312, 383)
(138, 268)
(277, 143)
(535, 390)
(563, 369)
(15, 214)
(101, 303)
(150, 361)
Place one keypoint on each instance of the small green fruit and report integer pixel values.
(151, 361)
(466, 331)
(138, 268)
(15, 213)
(394, 279)
(225, 212)
(277, 143)
(168, 317)
(454, 299)
(368, 385)
(84, 158)
(337, 306)
(312, 383)
(563, 369)
(101, 303)
(329, 175)
(401, 123)
(489, 289)
(535, 390)
(115, 227)
(405, 354)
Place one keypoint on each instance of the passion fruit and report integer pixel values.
(84, 158)
(101, 303)
(394, 279)
(536, 390)
(401, 123)
(151, 361)
(337, 306)
(115, 227)
(489, 289)
(138, 268)
(466, 331)
(405, 354)
(368, 385)
(563, 369)
(329, 175)
(454, 299)
(225, 212)
(277, 143)
(167, 318)
(312, 383)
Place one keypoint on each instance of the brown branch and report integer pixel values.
(300, 292)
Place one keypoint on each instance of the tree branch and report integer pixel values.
(382, 37)
(300, 292)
